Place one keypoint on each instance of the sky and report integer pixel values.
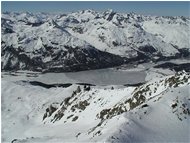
(161, 8)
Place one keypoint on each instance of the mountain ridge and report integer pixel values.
(159, 107)
(127, 36)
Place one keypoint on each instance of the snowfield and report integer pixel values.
(156, 111)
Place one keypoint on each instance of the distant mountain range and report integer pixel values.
(89, 40)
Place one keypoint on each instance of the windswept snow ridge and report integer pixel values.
(156, 111)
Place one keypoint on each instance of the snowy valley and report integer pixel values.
(92, 76)
(88, 39)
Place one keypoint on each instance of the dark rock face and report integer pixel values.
(74, 59)
(83, 59)
(111, 15)
(184, 52)
(34, 24)
(176, 67)
(18, 60)
(148, 49)
(6, 26)
(78, 59)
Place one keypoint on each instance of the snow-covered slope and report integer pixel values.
(121, 34)
(88, 39)
(156, 111)
(46, 46)
(171, 30)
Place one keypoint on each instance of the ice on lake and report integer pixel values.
(97, 77)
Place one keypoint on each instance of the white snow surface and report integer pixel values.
(118, 33)
(24, 105)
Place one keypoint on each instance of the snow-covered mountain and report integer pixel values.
(88, 39)
(155, 111)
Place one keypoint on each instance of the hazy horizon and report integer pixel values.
(159, 8)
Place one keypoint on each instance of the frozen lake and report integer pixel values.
(97, 77)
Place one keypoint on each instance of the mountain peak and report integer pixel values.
(109, 14)
(109, 11)
(90, 11)
(52, 23)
